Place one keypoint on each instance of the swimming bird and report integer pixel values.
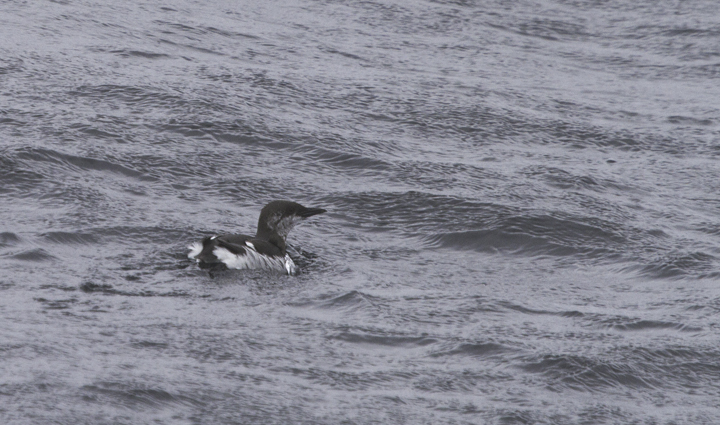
(266, 250)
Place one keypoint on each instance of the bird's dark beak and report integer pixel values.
(309, 212)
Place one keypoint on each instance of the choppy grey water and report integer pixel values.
(523, 218)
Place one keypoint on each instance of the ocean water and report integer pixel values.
(523, 219)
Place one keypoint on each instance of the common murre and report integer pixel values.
(266, 250)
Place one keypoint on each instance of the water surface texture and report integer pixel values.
(523, 218)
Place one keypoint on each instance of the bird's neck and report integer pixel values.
(271, 236)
